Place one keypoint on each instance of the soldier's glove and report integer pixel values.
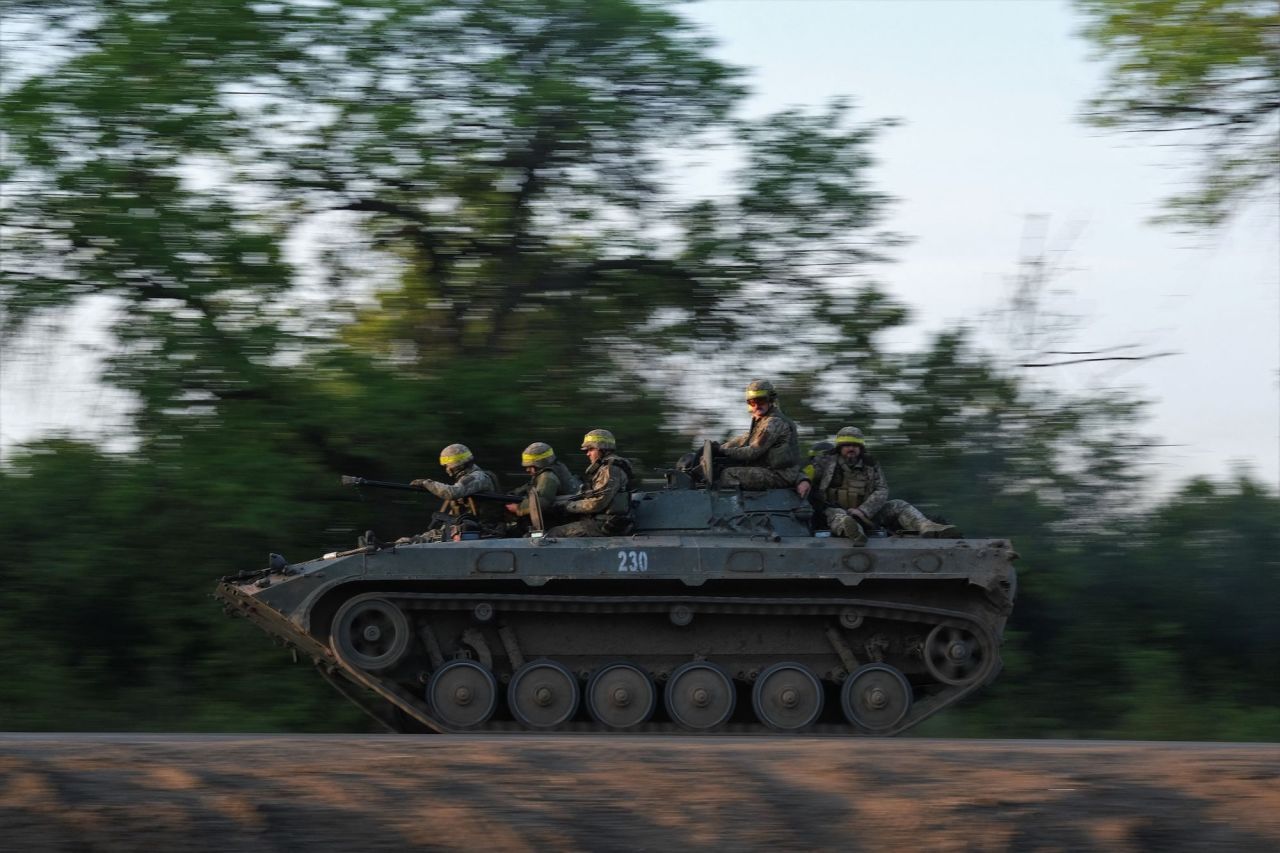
(715, 449)
(418, 484)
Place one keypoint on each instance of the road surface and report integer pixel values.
(162, 793)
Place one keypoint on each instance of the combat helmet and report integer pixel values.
(538, 455)
(600, 438)
(820, 447)
(455, 458)
(761, 388)
(850, 435)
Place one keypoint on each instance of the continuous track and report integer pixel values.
(887, 645)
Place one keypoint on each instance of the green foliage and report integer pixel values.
(107, 616)
(1163, 631)
(1202, 67)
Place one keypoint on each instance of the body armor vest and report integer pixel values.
(620, 504)
(487, 511)
(849, 486)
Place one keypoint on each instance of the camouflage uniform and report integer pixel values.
(860, 484)
(768, 454)
(456, 496)
(550, 483)
(605, 506)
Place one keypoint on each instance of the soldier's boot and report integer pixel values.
(933, 530)
(849, 528)
(912, 520)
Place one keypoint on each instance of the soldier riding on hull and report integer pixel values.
(766, 456)
(468, 479)
(604, 508)
(548, 478)
(857, 495)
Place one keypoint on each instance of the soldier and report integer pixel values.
(547, 476)
(468, 479)
(856, 494)
(766, 456)
(604, 508)
(818, 448)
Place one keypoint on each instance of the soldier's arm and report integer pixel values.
(607, 484)
(805, 483)
(879, 492)
(546, 485)
(736, 441)
(811, 476)
(474, 482)
(764, 438)
(821, 465)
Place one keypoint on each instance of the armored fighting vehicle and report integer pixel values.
(722, 612)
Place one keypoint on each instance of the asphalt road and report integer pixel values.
(160, 793)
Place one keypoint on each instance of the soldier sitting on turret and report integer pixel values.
(548, 477)
(766, 456)
(604, 508)
(856, 494)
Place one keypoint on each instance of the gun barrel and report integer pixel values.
(377, 484)
(348, 480)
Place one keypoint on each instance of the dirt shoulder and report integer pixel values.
(374, 793)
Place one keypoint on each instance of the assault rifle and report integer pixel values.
(409, 487)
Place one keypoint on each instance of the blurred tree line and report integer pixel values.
(333, 237)
(1205, 73)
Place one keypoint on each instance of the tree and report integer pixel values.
(496, 167)
(1207, 69)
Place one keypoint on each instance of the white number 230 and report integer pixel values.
(633, 561)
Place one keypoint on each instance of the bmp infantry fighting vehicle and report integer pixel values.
(721, 612)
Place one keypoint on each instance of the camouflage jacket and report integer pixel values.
(860, 485)
(608, 489)
(472, 480)
(771, 442)
(549, 483)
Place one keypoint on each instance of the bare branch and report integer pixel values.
(1100, 358)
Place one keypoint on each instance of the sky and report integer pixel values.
(990, 161)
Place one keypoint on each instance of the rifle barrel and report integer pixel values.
(406, 487)
(378, 484)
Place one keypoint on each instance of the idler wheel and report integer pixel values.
(543, 694)
(700, 696)
(954, 656)
(621, 696)
(371, 633)
(787, 697)
(463, 694)
(876, 697)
